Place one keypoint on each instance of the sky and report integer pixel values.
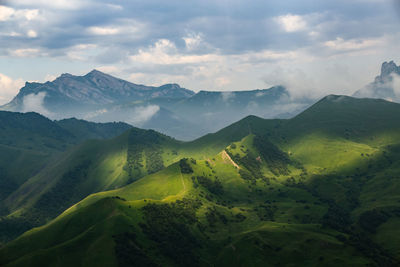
(312, 47)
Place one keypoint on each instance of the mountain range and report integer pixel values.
(170, 109)
(319, 189)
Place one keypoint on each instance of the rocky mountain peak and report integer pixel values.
(95, 72)
(389, 68)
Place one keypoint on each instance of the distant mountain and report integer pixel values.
(386, 85)
(319, 189)
(210, 111)
(68, 94)
(170, 109)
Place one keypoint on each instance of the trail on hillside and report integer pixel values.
(226, 156)
(183, 183)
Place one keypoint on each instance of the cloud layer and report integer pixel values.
(8, 88)
(202, 44)
(35, 103)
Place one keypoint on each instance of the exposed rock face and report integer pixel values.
(385, 86)
(93, 89)
(389, 68)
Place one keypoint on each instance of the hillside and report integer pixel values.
(29, 142)
(320, 189)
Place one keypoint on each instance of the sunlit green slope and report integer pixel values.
(321, 189)
(28, 143)
(94, 166)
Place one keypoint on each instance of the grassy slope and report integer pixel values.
(99, 217)
(346, 168)
(28, 143)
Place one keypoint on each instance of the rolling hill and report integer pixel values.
(29, 142)
(318, 189)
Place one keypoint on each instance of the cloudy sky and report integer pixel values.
(313, 47)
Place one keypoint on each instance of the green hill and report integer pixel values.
(320, 189)
(29, 142)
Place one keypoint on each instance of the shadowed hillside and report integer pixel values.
(320, 189)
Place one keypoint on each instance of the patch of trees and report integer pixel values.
(185, 166)
(252, 165)
(169, 226)
(371, 250)
(266, 212)
(129, 252)
(144, 142)
(213, 216)
(12, 227)
(276, 159)
(336, 218)
(154, 160)
(7, 185)
(64, 194)
(214, 187)
(239, 217)
(372, 219)
(134, 161)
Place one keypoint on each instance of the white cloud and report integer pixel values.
(222, 81)
(28, 14)
(396, 85)
(227, 96)
(114, 7)
(123, 27)
(8, 13)
(109, 69)
(93, 114)
(53, 4)
(340, 44)
(142, 114)
(260, 94)
(81, 52)
(34, 102)
(32, 34)
(296, 81)
(292, 23)
(50, 77)
(103, 30)
(9, 88)
(193, 41)
(165, 52)
(25, 52)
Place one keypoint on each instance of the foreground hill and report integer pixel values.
(29, 142)
(318, 189)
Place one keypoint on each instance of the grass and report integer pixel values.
(334, 201)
